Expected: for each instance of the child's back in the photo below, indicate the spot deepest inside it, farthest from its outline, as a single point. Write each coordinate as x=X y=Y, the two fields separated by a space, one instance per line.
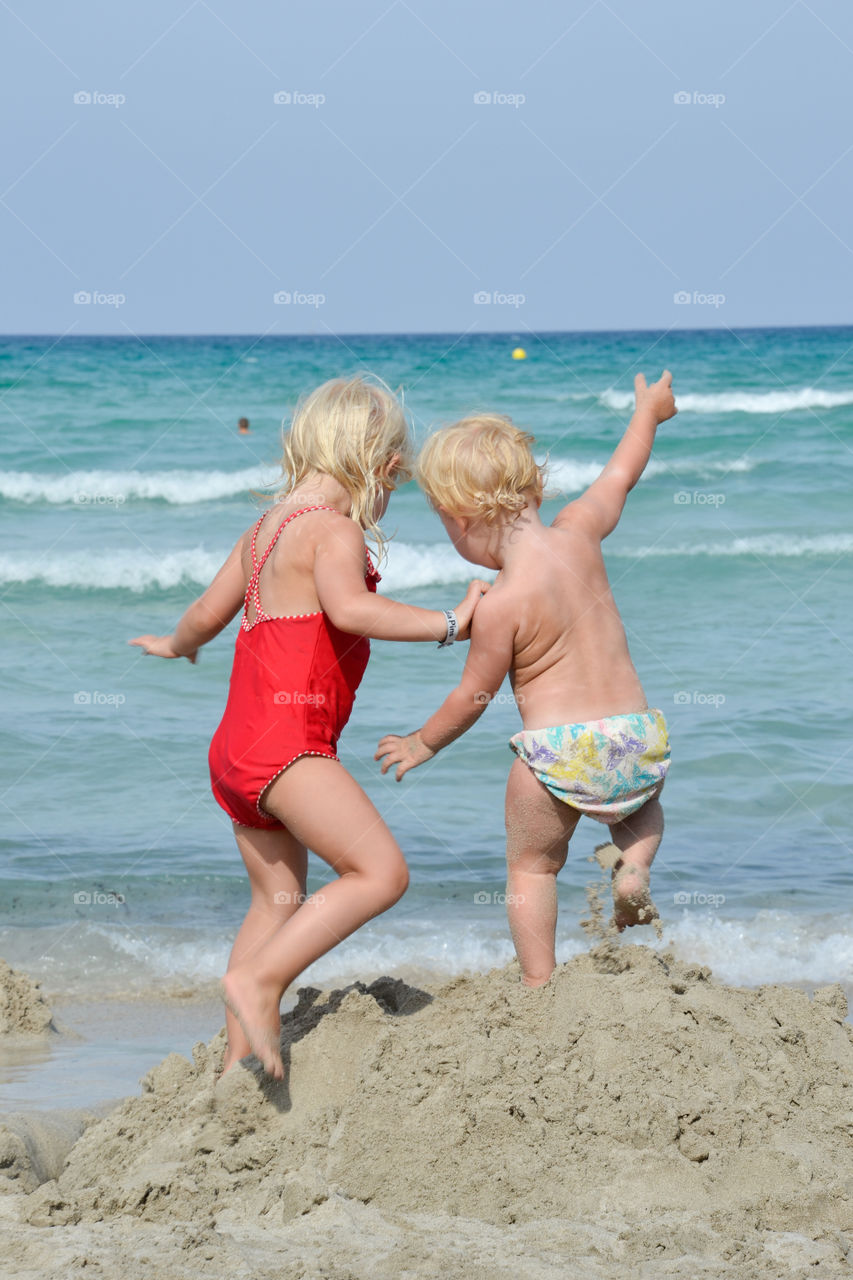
x=570 y=655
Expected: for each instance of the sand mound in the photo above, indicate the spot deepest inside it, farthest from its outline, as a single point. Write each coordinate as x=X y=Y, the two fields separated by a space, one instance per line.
x=677 y=1114
x=34 y=1145
x=23 y=1008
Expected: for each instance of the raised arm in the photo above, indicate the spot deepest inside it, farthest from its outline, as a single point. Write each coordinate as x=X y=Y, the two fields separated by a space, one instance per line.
x=489 y=660
x=601 y=505
x=206 y=616
x=346 y=601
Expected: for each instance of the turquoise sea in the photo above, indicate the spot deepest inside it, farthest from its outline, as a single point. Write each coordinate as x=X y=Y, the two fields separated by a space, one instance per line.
x=123 y=485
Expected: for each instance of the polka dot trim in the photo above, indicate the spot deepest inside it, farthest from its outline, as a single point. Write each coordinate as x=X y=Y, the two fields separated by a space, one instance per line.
x=326 y=755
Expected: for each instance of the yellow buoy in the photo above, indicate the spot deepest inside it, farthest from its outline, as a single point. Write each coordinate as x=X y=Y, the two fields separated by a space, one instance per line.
x=519 y=354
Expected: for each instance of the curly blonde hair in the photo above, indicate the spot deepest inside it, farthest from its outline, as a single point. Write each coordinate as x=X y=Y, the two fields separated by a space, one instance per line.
x=350 y=429
x=481 y=467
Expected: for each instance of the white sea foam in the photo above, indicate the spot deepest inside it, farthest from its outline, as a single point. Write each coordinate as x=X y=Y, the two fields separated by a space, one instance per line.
x=408 y=566
x=138 y=570
x=769 y=545
x=180 y=488
x=184 y=488
x=567 y=476
x=769 y=947
x=424 y=566
x=113 y=570
x=772 y=946
x=740 y=401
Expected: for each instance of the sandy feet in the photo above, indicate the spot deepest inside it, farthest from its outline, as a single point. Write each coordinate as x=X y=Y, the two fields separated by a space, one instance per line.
x=259 y=1016
x=229 y=1062
x=632 y=902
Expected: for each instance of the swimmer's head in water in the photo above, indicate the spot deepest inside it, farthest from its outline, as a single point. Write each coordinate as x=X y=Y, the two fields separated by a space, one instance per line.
x=243 y=425
x=355 y=430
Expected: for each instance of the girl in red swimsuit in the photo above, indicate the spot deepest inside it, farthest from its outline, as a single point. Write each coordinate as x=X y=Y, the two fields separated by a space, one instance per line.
x=306 y=586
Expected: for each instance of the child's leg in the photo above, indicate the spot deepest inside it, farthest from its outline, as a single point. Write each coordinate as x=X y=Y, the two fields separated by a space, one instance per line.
x=538 y=830
x=327 y=811
x=277 y=865
x=638 y=838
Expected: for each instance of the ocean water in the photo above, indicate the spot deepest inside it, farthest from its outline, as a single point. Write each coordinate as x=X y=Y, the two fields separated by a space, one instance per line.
x=123 y=485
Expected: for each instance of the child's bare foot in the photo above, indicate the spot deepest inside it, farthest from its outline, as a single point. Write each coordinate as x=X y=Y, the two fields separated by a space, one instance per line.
x=632 y=902
x=228 y=1062
x=258 y=1013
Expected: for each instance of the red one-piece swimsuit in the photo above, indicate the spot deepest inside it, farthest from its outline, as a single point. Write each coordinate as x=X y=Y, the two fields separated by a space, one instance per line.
x=292 y=689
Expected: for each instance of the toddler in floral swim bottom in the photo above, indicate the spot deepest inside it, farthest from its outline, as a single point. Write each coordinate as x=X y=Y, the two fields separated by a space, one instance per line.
x=590 y=744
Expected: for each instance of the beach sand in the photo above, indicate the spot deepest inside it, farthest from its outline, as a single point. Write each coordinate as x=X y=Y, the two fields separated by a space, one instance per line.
x=632 y=1118
x=23 y=1008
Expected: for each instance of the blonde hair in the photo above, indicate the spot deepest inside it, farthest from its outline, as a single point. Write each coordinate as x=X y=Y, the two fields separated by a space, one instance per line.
x=350 y=429
x=481 y=467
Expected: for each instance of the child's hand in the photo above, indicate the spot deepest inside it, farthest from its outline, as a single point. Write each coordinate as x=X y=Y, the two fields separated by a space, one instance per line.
x=162 y=647
x=657 y=398
x=465 y=611
x=407 y=753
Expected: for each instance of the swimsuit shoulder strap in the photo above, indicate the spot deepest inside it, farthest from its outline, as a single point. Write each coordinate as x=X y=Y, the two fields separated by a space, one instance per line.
x=253 y=588
x=255 y=533
x=372 y=571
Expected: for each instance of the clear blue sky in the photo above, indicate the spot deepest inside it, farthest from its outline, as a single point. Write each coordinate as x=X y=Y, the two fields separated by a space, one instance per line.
x=399 y=197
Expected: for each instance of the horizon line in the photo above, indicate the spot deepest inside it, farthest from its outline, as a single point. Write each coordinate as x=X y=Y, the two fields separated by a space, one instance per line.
x=431 y=333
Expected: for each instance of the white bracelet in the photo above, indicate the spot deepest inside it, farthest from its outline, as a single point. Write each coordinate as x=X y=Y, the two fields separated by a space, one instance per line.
x=452 y=628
